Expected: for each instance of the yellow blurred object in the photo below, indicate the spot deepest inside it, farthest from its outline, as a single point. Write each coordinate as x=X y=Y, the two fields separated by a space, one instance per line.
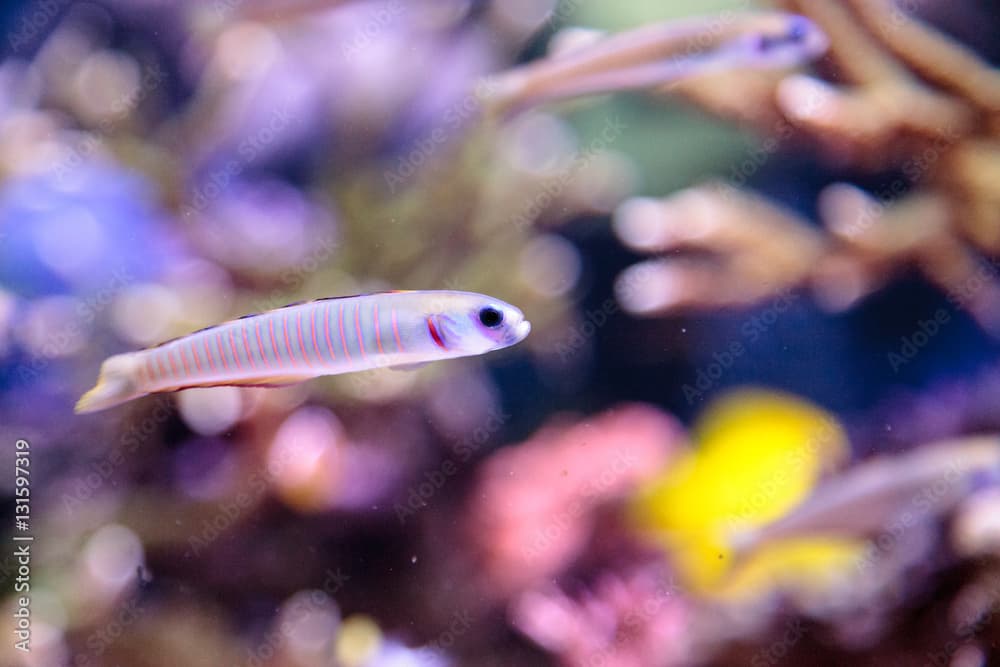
x=758 y=455
x=359 y=640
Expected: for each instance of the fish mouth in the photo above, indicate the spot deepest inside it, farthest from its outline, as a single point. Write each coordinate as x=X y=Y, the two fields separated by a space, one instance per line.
x=521 y=331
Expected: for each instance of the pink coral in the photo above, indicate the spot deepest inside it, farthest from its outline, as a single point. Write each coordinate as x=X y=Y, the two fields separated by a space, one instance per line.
x=532 y=511
x=627 y=620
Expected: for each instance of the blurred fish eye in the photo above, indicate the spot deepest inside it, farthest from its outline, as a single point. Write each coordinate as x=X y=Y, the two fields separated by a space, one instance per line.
x=798 y=31
x=766 y=43
x=491 y=317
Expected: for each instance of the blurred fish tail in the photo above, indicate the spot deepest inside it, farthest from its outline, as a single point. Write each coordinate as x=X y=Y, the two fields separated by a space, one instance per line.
x=115 y=385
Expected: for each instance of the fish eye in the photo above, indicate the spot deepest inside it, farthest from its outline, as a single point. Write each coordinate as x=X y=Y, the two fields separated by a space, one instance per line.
x=490 y=317
x=798 y=30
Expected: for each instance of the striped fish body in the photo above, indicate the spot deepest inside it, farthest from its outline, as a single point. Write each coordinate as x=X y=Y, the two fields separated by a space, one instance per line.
x=323 y=337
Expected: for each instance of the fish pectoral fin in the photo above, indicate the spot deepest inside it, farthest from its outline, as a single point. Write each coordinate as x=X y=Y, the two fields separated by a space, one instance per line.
x=268 y=381
x=271 y=381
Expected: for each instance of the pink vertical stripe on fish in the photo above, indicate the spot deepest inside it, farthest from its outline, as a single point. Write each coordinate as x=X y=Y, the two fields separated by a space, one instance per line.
x=343 y=338
x=327 y=312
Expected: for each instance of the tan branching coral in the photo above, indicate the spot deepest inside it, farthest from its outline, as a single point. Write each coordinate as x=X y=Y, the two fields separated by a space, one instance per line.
x=754 y=247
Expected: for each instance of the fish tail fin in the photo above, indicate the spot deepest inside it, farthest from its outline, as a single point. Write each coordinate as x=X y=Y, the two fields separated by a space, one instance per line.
x=115 y=384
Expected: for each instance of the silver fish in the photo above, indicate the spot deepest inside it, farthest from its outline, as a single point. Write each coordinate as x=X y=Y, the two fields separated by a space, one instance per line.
x=306 y=340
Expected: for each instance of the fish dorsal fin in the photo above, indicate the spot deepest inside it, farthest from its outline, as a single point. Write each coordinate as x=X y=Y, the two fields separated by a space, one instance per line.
x=352 y=296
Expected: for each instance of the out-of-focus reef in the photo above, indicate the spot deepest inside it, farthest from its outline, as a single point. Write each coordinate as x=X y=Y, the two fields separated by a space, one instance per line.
x=167 y=166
